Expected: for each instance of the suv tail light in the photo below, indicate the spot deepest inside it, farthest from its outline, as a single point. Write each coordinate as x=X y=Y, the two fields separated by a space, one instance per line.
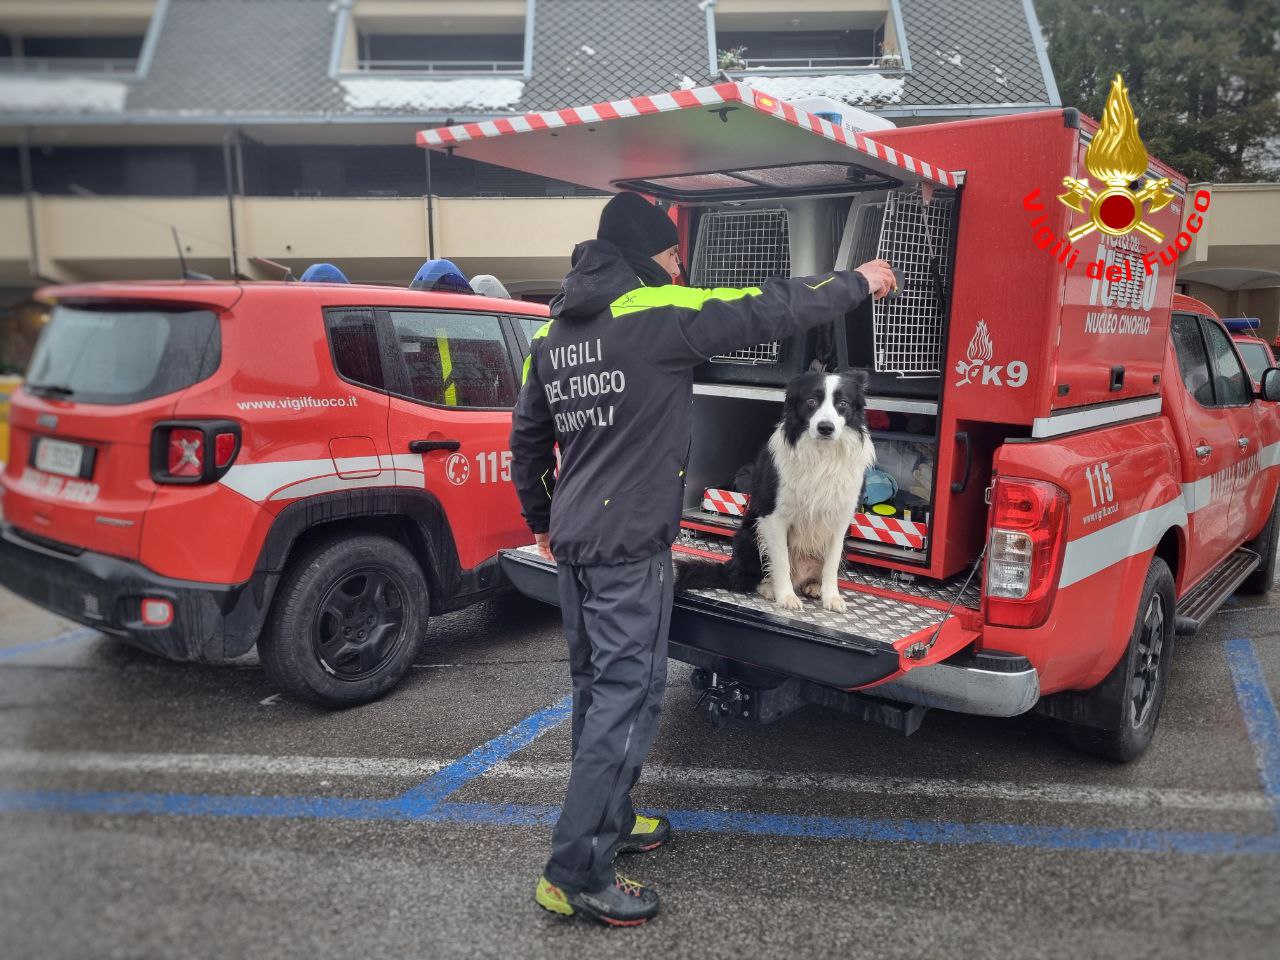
x=193 y=451
x=1024 y=552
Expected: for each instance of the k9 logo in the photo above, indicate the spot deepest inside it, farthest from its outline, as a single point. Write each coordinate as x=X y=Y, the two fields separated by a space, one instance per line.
x=977 y=367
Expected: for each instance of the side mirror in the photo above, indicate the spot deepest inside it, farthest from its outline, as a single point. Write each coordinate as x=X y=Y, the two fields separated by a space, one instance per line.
x=1271 y=385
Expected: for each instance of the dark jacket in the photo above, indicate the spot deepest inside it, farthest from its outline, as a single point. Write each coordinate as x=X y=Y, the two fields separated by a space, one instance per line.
x=610 y=379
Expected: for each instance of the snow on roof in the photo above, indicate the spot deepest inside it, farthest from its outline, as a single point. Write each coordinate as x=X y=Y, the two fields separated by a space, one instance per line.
x=860 y=88
x=477 y=93
x=61 y=95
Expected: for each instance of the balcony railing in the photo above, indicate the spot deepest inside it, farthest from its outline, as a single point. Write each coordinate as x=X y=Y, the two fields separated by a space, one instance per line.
x=452 y=67
x=65 y=65
x=812 y=63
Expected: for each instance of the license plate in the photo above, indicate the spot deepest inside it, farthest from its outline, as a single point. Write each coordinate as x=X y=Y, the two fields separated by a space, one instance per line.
x=58 y=456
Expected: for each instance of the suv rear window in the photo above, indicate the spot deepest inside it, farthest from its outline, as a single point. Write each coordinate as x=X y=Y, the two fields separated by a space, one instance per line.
x=123 y=354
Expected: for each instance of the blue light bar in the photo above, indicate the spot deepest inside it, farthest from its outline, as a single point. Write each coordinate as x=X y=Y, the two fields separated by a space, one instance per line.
x=1240 y=324
x=441 y=276
x=323 y=273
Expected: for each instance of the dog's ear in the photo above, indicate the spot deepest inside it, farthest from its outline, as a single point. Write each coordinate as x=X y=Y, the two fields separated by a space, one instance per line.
x=857 y=379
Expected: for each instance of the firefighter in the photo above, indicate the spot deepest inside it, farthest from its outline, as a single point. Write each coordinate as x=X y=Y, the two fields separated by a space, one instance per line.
x=609 y=379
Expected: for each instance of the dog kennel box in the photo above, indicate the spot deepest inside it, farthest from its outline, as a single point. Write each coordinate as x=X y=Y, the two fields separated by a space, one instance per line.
x=900 y=341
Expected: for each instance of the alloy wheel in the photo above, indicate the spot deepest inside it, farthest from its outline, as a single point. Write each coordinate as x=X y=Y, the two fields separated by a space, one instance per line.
x=1146 y=673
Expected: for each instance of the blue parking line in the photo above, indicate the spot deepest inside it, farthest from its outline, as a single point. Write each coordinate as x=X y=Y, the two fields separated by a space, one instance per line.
x=458 y=774
x=196 y=805
x=427 y=802
x=1097 y=839
x=71 y=636
x=931 y=833
x=1260 y=718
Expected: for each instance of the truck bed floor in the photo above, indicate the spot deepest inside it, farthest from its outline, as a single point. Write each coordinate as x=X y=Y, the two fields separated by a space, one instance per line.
x=865 y=575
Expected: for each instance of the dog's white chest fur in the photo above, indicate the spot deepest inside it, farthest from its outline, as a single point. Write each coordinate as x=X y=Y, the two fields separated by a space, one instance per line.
x=819 y=479
x=819 y=482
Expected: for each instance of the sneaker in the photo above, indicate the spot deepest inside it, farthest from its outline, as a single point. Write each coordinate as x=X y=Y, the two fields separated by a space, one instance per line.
x=649 y=833
x=624 y=903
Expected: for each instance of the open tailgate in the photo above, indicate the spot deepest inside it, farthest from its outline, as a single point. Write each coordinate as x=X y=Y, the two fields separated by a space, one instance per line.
x=714 y=142
x=864 y=645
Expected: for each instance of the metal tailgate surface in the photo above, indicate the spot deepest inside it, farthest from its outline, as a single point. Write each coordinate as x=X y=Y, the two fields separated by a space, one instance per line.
x=872 y=619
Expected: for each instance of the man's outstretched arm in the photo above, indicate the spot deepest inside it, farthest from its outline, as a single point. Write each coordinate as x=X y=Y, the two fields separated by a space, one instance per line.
x=709 y=322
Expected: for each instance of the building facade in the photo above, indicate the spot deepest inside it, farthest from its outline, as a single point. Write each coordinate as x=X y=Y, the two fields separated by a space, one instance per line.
x=258 y=136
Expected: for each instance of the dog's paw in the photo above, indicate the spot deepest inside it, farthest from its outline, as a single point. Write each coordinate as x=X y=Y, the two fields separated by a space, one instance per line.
x=812 y=590
x=835 y=603
x=790 y=601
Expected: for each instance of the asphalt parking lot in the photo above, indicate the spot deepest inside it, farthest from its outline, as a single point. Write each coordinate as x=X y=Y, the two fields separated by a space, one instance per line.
x=153 y=809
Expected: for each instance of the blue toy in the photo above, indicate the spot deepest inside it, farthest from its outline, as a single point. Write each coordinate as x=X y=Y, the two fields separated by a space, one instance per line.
x=878 y=487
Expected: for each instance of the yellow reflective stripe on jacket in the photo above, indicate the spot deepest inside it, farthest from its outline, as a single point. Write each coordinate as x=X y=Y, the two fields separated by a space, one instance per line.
x=673 y=295
x=538 y=334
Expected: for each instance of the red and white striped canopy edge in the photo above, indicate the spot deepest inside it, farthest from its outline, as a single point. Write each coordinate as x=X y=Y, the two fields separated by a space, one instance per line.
x=684 y=100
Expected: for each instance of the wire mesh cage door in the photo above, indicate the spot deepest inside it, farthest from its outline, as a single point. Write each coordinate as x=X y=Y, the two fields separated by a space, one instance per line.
x=742 y=248
x=915 y=238
x=866 y=234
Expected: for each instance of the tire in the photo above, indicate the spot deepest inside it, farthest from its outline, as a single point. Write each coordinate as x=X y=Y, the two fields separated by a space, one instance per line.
x=1140 y=678
x=347 y=621
x=1264 y=545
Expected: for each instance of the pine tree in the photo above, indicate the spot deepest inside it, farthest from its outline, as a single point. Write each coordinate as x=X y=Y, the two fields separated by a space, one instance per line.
x=1203 y=76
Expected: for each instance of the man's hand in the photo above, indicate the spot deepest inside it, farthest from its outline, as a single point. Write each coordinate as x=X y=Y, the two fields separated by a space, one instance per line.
x=879 y=277
x=543 y=542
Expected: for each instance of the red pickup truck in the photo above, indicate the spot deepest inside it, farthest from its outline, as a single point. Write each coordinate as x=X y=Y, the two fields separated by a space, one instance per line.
x=1080 y=467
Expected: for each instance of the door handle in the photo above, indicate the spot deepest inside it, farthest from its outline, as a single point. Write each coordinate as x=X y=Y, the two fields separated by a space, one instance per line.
x=1244 y=443
x=962 y=437
x=429 y=446
x=1203 y=450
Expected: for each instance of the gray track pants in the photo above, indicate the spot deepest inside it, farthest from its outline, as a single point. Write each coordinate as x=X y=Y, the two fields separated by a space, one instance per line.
x=616 y=620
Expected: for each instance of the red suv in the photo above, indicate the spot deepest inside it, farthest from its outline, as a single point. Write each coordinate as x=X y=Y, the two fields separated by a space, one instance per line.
x=311 y=467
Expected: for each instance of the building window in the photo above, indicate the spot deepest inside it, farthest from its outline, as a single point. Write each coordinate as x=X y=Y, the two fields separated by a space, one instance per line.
x=387 y=37
x=453 y=54
x=815 y=36
x=64 y=54
x=61 y=38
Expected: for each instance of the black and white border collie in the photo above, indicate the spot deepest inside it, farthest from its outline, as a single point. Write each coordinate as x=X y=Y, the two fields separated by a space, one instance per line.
x=807 y=482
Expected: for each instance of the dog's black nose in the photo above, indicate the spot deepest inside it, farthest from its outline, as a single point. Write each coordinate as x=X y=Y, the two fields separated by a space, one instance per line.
x=826 y=429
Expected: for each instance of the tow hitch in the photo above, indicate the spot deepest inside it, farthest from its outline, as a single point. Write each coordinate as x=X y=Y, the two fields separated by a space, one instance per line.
x=724 y=699
x=728 y=700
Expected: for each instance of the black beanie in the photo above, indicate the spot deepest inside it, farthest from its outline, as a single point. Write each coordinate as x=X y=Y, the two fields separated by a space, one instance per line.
x=631 y=222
